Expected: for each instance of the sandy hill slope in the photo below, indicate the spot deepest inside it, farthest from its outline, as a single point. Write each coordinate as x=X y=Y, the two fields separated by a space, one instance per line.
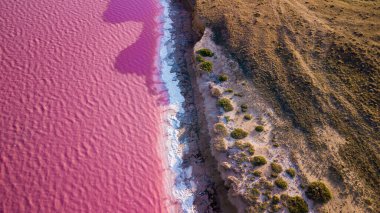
x=317 y=62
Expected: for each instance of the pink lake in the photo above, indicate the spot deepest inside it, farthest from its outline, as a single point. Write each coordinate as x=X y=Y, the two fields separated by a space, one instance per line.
x=80 y=114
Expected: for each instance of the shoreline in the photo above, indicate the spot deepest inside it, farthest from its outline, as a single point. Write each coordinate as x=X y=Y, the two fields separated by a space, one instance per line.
x=197 y=184
x=181 y=192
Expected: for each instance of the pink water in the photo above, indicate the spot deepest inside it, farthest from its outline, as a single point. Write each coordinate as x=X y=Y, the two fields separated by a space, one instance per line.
x=80 y=115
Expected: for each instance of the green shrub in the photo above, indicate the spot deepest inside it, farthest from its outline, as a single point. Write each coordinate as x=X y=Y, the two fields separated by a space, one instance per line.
x=239 y=133
x=318 y=192
x=276 y=168
x=228 y=118
x=257 y=173
x=220 y=145
x=259 y=128
x=276 y=208
x=297 y=205
x=240 y=145
x=252 y=195
x=225 y=104
x=281 y=183
x=244 y=107
x=215 y=92
x=251 y=149
x=291 y=172
x=275 y=199
x=220 y=129
x=255 y=192
x=206 y=66
x=248 y=117
x=199 y=58
x=259 y=161
x=274 y=175
x=229 y=90
x=276 y=145
x=223 y=78
x=245 y=145
x=205 y=52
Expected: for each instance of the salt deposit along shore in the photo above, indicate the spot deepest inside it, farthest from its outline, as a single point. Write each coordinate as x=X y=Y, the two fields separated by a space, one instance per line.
x=195 y=185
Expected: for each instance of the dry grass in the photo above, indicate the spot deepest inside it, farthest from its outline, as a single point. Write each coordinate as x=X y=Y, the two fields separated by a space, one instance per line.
x=318 y=63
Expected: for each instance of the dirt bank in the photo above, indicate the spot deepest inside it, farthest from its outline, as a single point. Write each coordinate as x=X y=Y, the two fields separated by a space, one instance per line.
x=316 y=63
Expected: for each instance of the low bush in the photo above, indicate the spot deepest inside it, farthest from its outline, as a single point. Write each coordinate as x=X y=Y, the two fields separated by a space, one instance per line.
x=248 y=117
x=244 y=107
x=223 y=78
x=229 y=90
x=240 y=145
x=257 y=173
x=281 y=183
x=276 y=168
x=251 y=149
x=206 y=66
x=239 y=133
x=275 y=199
x=205 y=52
x=239 y=94
x=291 y=172
x=259 y=128
x=274 y=175
x=297 y=205
x=259 y=161
x=245 y=145
x=228 y=118
x=199 y=58
x=220 y=145
x=225 y=104
x=252 y=195
x=318 y=192
x=220 y=129
x=215 y=92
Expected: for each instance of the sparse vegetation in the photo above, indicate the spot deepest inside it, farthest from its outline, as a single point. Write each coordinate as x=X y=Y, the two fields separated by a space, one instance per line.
x=259 y=128
x=244 y=107
x=327 y=70
x=229 y=90
x=220 y=145
x=215 y=92
x=259 y=161
x=205 y=52
x=257 y=173
x=276 y=168
x=199 y=58
x=297 y=205
x=227 y=118
x=248 y=117
x=291 y=172
x=206 y=66
x=223 y=78
x=318 y=192
x=220 y=129
x=252 y=195
x=225 y=104
x=281 y=183
x=239 y=133
x=245 y=145
x=275 y=199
